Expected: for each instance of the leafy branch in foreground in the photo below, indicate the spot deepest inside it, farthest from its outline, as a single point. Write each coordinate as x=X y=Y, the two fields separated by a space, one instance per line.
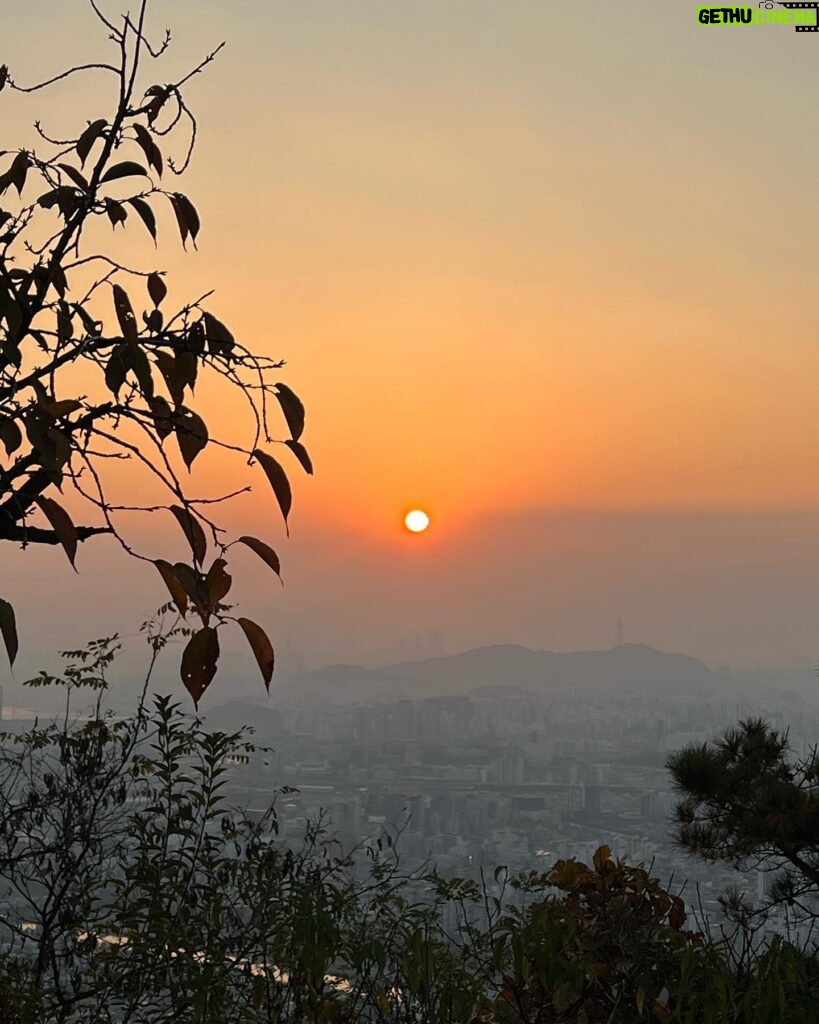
x=96 y=369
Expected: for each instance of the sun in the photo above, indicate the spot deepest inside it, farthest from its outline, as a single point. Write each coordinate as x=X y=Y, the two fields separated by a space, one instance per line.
x=416 y=521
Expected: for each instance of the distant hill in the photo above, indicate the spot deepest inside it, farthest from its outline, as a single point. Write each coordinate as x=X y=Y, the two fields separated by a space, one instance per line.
x=629 y=668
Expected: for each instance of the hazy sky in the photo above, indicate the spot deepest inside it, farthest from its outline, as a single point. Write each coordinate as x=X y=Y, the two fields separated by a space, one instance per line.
x=544 y=269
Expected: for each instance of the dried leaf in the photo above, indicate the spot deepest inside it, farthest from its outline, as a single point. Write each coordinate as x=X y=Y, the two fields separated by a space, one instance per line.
x=292 y=408
x=145 y=213
x=125 y=314
x=217 y=582
x=199 y=662
x=157 y=288
x=8 y=627
x=264 y=551
x=298 y=449
x=278 y=481
x=62 y=525
x=175 y=588
x=193 y=531
x=126 y=169
x=261 y=647
x=89 y=137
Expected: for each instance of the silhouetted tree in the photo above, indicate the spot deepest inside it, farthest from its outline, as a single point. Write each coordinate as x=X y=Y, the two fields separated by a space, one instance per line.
x=747 y=803
x=68 y=302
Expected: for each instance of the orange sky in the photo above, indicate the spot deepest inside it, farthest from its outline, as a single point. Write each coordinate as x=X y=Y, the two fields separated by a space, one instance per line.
x=521 y=257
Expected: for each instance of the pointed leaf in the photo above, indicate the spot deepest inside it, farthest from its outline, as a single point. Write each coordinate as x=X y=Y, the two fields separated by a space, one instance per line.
x=219 y=338
x=89 y=137
x=193 y=531
x=62 y=525
x=125 y=314
x=8 y=627
x=76 y=176
x=186 y=217
x=146 y=142
x=264 y=551
x=261 y=647
x=117 y=213
x=191 y=435
x=146 y=213
x=126 y=169
x=199 y=662
x=298 y=449
x=10 y=435
x=218 y=582
x=163 y=416
x=292 y=408
x=194 y=584
x=175 y=588
x=278 y=481
x=157 y=288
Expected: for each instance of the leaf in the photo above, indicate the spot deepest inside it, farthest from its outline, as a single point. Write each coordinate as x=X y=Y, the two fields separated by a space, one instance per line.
x=117 y=213
x=76 y=176
x=292 y=408
x=194 y=584
x=89 y=137
x=217 y=582
x=4 y=74
x=298 y=449
x=62 y=525
x=175 y=588
x=640 y=999
x=163 y=416
x=157 y=288
x=220 y=340
x=264 y=551
x=10 y=435
x=125 y=314
x=191 y=435
x=193 y=531
x=261 y=647
x=126 y=169
x=160 y=95
x=278 y=481
x=142 y=368
x=601 y=857
x=186 y=217
x=146 y=213
x=149 y=147
x=117 y=368
x=16 y=174
x=199 y=662
x=8 y=627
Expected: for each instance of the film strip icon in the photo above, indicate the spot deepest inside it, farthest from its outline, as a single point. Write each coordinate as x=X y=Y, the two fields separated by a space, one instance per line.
x=801 y=7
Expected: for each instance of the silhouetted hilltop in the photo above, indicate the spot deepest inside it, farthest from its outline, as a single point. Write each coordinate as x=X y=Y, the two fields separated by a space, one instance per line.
x=629 y=668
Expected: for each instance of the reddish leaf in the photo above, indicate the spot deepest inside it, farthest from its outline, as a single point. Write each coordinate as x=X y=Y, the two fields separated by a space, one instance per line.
x=62 y=525
x=193 y=531
x=261 y=647
x=157 y=288
x=145 y=213
x=278 y=481
x=217 y=582
x=8 y=627
x=125 y=314
x=298 y=449
x=292 y=408
x=126 y=169
x=175 y=588
x=264 y=551
x=199 y=662
x=194 y=584
x=89 y=137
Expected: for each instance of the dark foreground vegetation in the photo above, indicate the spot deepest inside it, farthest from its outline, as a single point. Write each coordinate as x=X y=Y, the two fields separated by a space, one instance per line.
x=131 y=891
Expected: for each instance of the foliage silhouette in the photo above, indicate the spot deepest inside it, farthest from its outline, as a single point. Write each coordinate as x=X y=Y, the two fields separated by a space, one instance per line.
x=68 y=302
